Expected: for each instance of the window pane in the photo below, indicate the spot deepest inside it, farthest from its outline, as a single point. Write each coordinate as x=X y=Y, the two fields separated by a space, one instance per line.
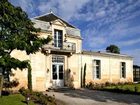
x=58 y=38
x=60 y=75
x=54 y=72
x=60 y=68
x=97 y=76
x=60 y=71
x=97 y=62
x=97 y=69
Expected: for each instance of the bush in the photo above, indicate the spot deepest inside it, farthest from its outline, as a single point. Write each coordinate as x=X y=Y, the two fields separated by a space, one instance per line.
x=92 y=85
x=11 y=84
x=38 y=97
x=5 y=93
x=128 y=88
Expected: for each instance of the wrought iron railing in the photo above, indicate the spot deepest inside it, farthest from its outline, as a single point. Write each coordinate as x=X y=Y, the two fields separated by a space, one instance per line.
x=66 y=46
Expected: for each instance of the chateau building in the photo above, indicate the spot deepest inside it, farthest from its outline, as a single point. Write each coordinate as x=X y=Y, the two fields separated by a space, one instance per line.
x=65 y=61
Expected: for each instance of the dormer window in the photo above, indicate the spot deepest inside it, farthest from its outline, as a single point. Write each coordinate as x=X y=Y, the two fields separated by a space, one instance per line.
x=58 y=38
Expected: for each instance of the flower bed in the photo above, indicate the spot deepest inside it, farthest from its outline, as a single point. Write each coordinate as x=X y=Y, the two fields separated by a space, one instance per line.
x=38 y=97
x=129 y=88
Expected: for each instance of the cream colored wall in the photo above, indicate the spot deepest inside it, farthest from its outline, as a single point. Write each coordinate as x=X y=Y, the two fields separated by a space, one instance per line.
x=110 y=69
x=38 y=64
x=20 y=75
x=74 y=65
x=78 y=43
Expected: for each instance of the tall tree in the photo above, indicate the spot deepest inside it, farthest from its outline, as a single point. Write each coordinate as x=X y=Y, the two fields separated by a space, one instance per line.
x=84 y=76
x=17 y=32
x=113 y=49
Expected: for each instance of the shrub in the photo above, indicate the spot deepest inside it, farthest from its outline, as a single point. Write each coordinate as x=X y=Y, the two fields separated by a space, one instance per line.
x=136 y=89
x=25 y=92
x=11 y=84
x=90 y=85
x=38 y=97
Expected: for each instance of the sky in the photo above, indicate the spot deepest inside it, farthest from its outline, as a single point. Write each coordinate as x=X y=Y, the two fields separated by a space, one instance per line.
x=102 y=22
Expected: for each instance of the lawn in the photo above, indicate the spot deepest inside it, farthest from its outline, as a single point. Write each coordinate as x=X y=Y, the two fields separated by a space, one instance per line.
x=126 y=88
x=15 y=99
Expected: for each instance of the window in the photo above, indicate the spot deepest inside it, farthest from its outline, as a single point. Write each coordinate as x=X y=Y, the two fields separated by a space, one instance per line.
x=97 y=69
x=136 y=73
x=123 y=69
x=58 y=38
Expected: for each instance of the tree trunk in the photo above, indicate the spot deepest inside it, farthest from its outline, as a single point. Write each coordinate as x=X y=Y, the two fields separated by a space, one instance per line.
x=1 y=85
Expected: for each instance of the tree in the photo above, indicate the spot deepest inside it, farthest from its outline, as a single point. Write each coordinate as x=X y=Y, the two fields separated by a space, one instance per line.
x=84 y=76
x=17 y=32
x=113 y=49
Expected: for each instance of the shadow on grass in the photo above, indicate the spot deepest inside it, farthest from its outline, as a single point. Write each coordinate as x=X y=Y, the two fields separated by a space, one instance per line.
x=5 y=93
x=24 y=102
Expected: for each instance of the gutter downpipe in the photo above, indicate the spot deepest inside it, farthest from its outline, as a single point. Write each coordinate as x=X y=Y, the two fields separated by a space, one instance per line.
x=81 y=72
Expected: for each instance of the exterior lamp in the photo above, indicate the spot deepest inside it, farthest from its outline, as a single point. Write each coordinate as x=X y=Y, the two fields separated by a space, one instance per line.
x=65 y=40
x=47 y=70
x=27 y=99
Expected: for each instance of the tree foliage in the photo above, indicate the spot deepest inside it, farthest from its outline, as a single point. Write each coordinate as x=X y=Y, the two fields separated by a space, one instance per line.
x=17 y=32
x=113 y=49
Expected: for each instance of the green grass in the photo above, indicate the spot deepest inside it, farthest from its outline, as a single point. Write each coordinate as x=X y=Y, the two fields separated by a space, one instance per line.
x=127 y=88
x=15 y=99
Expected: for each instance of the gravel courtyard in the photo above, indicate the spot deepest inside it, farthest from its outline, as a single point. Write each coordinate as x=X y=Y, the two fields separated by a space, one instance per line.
x=92 y=97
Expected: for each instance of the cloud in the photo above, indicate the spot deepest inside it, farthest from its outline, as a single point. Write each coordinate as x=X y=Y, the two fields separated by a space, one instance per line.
x=92 y=40
x=134 y=53
x=102 y=22
x=66 y=9
x=123 y=30
x=100 y=13
x=128 y=42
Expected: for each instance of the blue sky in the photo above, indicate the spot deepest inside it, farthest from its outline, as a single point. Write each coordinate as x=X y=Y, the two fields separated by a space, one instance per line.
x=102 y=22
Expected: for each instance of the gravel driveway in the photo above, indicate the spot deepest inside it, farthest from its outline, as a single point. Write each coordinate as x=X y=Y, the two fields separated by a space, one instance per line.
x=92 y=97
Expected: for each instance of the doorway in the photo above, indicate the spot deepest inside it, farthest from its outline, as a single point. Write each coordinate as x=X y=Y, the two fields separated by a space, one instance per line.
x=58 y=71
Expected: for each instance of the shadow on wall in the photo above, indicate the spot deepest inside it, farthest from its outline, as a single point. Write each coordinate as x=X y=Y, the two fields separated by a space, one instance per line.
x=70 y=79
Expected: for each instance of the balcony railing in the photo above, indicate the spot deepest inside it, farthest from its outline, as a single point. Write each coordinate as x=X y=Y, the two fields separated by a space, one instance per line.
x=66 y=47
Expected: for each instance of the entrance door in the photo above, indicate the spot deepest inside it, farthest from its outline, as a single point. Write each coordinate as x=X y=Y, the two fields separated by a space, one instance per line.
x=58 y=75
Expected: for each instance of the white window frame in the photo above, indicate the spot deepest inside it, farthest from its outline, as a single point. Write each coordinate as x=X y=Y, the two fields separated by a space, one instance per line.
x=121 y=70
x=56 y=32
x=95 y=70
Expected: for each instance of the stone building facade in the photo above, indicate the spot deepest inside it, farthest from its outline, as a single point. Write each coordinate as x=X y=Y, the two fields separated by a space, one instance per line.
x=65 y=60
